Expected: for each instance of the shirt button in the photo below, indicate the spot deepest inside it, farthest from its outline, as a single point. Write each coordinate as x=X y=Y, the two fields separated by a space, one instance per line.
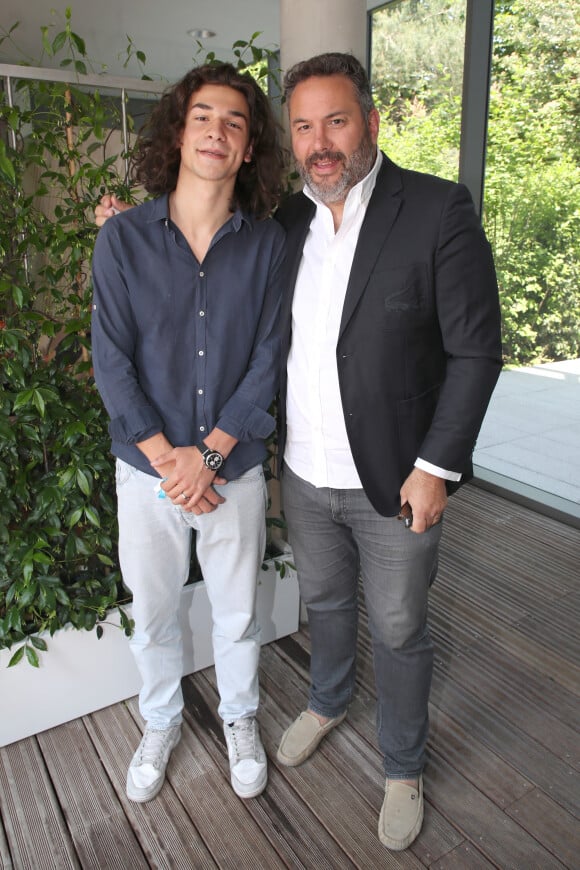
x=202 y=274
x=202 y=428
x=202 y=313
x=200 y=392
x=200 y=352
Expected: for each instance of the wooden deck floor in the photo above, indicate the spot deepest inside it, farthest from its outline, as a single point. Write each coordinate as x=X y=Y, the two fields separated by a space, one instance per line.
x=502 y=785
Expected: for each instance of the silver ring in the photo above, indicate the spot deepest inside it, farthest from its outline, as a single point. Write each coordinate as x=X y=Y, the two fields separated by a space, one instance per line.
x=184 y=497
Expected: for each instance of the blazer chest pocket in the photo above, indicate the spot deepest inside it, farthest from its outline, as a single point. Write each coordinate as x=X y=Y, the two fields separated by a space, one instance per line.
x=404 y=290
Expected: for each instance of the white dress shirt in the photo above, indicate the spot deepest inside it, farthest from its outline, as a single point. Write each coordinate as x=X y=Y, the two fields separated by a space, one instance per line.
x=317 y=446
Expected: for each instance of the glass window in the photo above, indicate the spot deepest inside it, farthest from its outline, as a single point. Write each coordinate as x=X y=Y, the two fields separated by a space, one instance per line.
x=416 y=69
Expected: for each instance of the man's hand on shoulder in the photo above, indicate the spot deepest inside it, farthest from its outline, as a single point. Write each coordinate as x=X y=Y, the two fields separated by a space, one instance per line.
x=427 y=496
x=108 y=206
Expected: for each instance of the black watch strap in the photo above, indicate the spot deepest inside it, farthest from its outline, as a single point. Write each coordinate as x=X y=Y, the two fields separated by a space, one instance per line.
x=212 y=459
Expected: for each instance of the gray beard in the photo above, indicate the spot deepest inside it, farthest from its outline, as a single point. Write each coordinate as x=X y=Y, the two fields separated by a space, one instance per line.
x=356 y=167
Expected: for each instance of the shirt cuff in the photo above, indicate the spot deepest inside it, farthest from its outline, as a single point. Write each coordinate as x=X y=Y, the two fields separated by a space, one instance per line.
x=435 y=470
x=136 y=425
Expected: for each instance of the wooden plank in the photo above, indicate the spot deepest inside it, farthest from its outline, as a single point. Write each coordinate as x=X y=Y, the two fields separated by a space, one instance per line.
x=560 y=626
x=499 y=838
x=164 y=828
x=533 y=761
x=469 y=594
x=557 y=830
x=5 y=857
x=537 y=654
x=492 y=531
x=500 y=694
x=463 y=857
x=497 y=780
x=100 y=831
x=36 y=831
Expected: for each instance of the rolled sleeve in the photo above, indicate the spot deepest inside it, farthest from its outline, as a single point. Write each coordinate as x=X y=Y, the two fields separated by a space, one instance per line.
x=137 y=425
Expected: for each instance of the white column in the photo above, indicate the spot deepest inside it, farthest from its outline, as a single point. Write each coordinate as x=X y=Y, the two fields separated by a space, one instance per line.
x=309 y=27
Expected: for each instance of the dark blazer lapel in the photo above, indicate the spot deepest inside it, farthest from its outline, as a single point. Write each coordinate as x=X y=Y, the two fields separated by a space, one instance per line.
x=380 y=216
x=295 y=238
x=295 y=216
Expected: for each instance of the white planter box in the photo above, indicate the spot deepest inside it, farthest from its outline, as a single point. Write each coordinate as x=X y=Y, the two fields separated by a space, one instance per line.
x=80 y=674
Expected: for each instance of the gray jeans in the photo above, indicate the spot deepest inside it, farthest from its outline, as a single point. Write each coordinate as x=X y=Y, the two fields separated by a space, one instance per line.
x=336 y=537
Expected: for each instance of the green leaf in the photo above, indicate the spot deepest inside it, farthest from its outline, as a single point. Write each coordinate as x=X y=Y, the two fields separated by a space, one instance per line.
x=39 y=402
x=45 y=40
x=62 y=596
x=6 y=165
x=79 y=43
x=75 y=517
x=38 y=642
x=92 y=516
x=66 y=476
x=23 y=399
x=31 y=656
x=17 y=657
x=18 y=296
x=83 y=482
x=99 y=632
x=58 y=41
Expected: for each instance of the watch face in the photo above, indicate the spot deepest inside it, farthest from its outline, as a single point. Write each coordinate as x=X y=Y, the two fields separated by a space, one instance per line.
x=214 y=460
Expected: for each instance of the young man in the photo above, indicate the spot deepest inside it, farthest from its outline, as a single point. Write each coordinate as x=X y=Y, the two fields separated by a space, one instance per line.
x=185 y=348
x=391 y=334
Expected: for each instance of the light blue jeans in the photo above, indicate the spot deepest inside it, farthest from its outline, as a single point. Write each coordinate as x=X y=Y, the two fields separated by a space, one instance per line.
x=154 y=553
x=336 y=537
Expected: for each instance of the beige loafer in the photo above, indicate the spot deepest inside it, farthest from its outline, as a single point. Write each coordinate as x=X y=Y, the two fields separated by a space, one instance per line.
x=401 y=815
x=302 y=737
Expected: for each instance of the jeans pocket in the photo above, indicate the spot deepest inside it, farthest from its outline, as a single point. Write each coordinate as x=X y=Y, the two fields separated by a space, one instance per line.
x=250 y=479
x=123 y=472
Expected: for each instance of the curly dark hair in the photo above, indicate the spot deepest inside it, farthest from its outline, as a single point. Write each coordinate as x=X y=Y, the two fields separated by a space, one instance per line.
x=332 y=63
x=157 y=156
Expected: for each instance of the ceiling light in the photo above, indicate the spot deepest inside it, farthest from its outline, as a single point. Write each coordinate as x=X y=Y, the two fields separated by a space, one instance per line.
x=201 y=33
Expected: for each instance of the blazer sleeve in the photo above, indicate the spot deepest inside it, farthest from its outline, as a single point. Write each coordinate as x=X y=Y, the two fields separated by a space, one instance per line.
x=468 y=311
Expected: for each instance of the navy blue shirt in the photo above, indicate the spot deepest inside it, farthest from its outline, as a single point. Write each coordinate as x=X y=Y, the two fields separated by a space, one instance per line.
x=181 y=347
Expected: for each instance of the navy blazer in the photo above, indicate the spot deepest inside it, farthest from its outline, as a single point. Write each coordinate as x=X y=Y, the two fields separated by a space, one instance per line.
x=419 y=346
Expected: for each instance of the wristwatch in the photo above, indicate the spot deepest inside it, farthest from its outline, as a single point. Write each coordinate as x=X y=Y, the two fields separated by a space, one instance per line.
x=212 y=459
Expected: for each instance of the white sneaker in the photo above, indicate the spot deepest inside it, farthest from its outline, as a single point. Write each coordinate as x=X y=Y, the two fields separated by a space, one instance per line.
x=146 y=772
x=248 y=765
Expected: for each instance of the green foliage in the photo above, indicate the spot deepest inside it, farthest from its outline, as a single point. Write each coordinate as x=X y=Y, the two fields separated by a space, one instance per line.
x=532 y=186
x=532 y=204
x=57 y=513
x=417 y=72
x=417 y=55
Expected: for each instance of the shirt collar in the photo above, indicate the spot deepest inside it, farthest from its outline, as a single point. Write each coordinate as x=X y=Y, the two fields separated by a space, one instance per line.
x=361 y=192
x=160 y=212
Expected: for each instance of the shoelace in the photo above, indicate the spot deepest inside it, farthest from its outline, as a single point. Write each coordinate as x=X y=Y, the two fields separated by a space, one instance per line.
x=153 y=746
x=244 y=738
